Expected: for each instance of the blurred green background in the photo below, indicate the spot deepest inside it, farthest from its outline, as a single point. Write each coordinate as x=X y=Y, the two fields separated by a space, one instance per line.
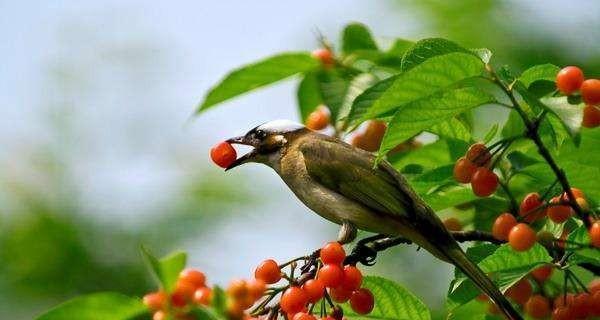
x=99 y=152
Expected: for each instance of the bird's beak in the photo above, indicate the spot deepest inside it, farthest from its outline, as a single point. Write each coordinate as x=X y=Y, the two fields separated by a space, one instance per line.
x=248 y=156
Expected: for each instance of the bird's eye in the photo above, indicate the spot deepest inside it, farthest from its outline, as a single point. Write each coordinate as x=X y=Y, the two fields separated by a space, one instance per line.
x=260 y=134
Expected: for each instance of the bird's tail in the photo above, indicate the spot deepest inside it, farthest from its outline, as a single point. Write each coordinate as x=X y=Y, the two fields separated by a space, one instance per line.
x=458 y=257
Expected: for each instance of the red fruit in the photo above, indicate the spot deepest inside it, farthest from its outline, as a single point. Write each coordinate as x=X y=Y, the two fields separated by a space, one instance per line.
x=202 y=296
x=256 y=288
x=314 y=290
x=352 y=278
x=591 y=116
x=331 y=275
x=582 y=305
x=340 y=294
x=223 y=154
x=325 y=56
x=569 y=80
x=537 y=307
x=502 y=226
x=590 y=91
x=293 y=300
x=362 y=301
x=595 y=234
x=304 y=316
x=185 y=288
x=577 y=193
x=528 y=207
x=559 y=213
x=195 y=277
x=561 y=301
x=484 y=182
x=479 y=154
x=268 y=271
x=521 y=237
x=594 y=285
x=542 y=273
x=370 y=139
x=453 y=224
x=328 y=318
x=155 y=300
x=464 y=170
x=332 y=253
x=562 y=313
x=238 y=289
x=318 y=119
x=159 y=315
x=520 y=292
x=595 y=303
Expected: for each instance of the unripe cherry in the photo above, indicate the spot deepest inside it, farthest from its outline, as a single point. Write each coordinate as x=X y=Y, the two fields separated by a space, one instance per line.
x=452 y=224
x=484 y=182
x=223 y=154
x=569 y=80
x=502 y=226
x=521 y=237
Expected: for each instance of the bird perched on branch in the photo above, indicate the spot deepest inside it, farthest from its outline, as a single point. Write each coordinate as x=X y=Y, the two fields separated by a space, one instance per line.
x=343 y=184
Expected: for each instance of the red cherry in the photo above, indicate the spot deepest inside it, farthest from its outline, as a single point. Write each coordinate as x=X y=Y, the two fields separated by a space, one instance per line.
x=331 y=275
x=479 y=154
x=332 y=253
x=202 y=296
x=325 y=56
x=594 y=285
x=362 y=301
x=558 y=213
x=542 y=273
x=452 y=224
x=502 y=226
x=520 y=291
x=484 y=182
x=304 y=316
x=591 y=117
x=195 y=277
x=318 y=119
x=268 y=271
x=155 y=300
x=256 y=288
x=293 y=300
x=569 y=79
x=521 y=237
x=352 y=278
x=527 y=209
x=581 y=305
x=538 y=306
x=590 y=91
x=223 y=154
x=562 y=313
x=159 y=315
x=464 y=170
x=314 y=290
x=340 y=294
x=595 y=234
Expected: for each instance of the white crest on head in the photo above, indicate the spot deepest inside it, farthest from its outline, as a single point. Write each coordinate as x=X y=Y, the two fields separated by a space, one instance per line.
x=280 y=126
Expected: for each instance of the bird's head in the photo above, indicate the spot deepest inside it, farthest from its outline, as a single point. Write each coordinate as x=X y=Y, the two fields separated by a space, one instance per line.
x=269 y=140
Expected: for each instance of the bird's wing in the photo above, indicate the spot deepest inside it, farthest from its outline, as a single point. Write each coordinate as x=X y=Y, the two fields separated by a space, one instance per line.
x=349 y=171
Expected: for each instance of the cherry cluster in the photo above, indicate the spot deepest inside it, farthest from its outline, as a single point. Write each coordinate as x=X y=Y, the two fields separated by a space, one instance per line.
x=539 y=305
x=570 y=80
x=190 y=290
x=517 y=231
x=475 y=168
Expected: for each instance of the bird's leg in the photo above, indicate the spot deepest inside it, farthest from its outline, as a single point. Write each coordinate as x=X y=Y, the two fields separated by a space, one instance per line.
x=363 y=252
x=347 y=233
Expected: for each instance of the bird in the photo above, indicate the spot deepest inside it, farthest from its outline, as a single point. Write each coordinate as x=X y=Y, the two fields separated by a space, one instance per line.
x=347 y=186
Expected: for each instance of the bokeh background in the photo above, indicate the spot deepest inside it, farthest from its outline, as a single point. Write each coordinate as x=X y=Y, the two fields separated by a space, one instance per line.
x=100 y=151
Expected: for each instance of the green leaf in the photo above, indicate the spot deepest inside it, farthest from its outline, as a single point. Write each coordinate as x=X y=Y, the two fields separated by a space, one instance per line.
x=429 y=156
x=587 y=254
x=357 y=86
x=484 y=54
x=424 y=113
x=219 y=300
x=569 y=115
x=258 y=74
x=542 y=72
x=519 y=160
x=97 y=306
x=508 y=267
x=452 y=129
x=309 y=94
x=513 y=126
x=392 y=302
x=428 y=48
x=356 y=36
x=333 y=85
x=167 y=269
x=426 y=79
